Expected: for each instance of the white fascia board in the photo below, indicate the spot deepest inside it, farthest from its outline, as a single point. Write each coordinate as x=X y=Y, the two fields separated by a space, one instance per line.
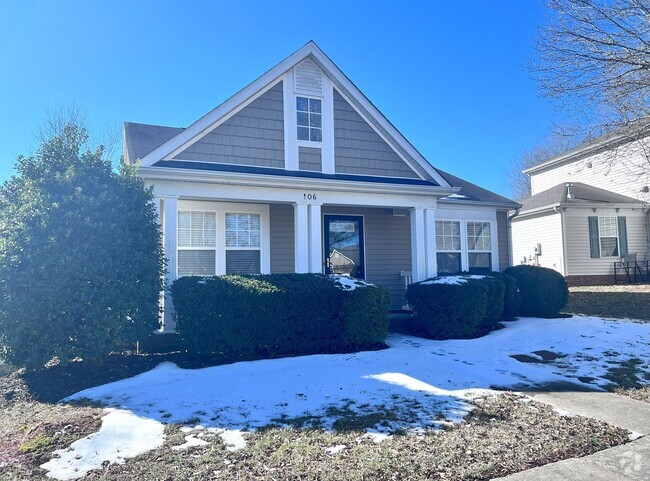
x=565 y=205
x=286 y=182
x=478 y=203
x=586 y=151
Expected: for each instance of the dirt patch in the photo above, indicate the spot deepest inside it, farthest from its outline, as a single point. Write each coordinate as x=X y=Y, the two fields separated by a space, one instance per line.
x=31 y=431
x=617 y=302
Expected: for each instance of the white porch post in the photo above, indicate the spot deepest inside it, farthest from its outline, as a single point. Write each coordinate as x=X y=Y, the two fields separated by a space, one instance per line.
x=301 y=233
x=315 y=239
x=170 y=214
x=430 y=242
x=418 y=247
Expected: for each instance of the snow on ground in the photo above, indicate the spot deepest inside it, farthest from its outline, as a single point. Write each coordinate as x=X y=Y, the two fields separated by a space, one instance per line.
x=426 y=383
x=122 y=435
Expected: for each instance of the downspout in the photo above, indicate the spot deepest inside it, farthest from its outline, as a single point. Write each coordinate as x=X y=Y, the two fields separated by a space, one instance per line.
x=509 y=224
x=561 y=211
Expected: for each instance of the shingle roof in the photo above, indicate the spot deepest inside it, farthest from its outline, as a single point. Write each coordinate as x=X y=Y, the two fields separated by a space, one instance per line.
x=472 y=193
x=140 y=139
x=574 y=194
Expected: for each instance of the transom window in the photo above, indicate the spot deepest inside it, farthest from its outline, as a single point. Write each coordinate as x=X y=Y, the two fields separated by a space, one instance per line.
x=448 y=246
x=243 y=246
x=197 y=241
x=479 y=246
x=309 y=119
x=608 y=233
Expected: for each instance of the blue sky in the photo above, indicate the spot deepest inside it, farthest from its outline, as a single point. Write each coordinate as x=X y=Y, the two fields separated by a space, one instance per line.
x=448 y=75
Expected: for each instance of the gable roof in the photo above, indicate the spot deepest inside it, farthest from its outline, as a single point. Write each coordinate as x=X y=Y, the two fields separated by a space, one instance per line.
x=473 y=193
x=574 y=194
x=209 y=121
x=631 y=132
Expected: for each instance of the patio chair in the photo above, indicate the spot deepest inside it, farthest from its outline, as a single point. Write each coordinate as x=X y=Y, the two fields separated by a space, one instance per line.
x=632 y=268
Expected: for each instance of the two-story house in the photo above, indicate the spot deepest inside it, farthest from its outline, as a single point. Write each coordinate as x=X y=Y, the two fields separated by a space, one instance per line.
x=588 y=209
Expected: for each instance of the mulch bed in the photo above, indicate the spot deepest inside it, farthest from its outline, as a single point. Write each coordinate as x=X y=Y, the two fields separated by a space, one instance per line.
x=618 y=302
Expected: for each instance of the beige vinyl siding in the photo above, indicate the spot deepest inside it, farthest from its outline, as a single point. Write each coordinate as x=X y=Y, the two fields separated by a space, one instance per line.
x=254 y=136
x=387 y=247
x=282 y=238
x=605 y=172
x=358 y=149
x=503 y=241
x=579 y=261
x=545 y=230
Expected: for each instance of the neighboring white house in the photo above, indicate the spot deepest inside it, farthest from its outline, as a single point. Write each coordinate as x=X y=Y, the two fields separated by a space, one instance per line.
x=587 y=209
x=300 y=166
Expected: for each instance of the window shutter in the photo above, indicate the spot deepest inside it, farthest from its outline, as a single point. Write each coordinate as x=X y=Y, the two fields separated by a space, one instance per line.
x=622 y=236
x=594 y=244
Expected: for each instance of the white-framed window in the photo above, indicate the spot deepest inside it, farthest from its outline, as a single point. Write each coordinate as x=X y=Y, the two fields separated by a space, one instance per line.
x=479 y=246
x=608 y=235
x=197 y=243
x=309 y=119
x=448 y=246
x=243 y=243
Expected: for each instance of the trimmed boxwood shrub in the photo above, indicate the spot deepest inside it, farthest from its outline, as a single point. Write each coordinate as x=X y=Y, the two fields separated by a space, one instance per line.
x=278 y=315
x=542 y=292
x=448 y=310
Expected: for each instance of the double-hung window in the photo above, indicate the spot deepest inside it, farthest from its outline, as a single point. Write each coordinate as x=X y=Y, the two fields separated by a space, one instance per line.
x=608 y=233
x=197 y=243
x=309 y=119
x=479 y=246
x=243 y=243
x=448 y=246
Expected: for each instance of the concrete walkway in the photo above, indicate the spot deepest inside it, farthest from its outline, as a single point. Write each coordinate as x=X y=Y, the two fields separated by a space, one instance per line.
x=630 y=461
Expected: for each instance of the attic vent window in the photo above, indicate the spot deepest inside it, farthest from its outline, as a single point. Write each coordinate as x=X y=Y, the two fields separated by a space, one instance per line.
x=309 y=119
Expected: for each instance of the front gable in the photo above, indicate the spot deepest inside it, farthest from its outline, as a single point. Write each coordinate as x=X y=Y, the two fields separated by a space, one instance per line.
x=263 y=126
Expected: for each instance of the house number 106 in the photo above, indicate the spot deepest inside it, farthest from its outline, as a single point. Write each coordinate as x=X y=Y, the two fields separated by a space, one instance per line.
x=309 y=196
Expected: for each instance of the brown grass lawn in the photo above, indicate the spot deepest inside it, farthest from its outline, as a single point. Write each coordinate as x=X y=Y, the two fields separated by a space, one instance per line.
x=621 y=301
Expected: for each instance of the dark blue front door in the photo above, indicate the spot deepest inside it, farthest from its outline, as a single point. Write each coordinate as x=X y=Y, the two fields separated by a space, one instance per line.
x=344 y=245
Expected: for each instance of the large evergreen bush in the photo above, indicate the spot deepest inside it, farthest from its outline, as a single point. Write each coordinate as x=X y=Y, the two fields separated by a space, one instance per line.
x=80 y=256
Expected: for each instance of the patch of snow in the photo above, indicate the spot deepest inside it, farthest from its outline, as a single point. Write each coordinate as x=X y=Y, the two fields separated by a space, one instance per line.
x=122 y=435
x=335 y=449
x=424 y=383
x=348 y=283
x=453 y=280
x=455 y=196
x=232 y=438
x=191 y=441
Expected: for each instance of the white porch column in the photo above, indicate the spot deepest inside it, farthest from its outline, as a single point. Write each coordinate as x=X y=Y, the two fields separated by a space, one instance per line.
x=418 y=247
x=315 y=239
x=301 y=236
x=170 y=216
x=430 y=242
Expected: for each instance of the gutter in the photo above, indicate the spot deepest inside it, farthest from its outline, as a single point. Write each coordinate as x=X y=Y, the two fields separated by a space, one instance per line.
x=509 y=225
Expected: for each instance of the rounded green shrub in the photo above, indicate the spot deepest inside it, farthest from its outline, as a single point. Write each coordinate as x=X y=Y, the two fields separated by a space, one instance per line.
x=542 y=292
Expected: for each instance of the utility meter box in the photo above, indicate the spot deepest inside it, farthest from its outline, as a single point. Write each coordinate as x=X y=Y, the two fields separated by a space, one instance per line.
x=537 y=249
